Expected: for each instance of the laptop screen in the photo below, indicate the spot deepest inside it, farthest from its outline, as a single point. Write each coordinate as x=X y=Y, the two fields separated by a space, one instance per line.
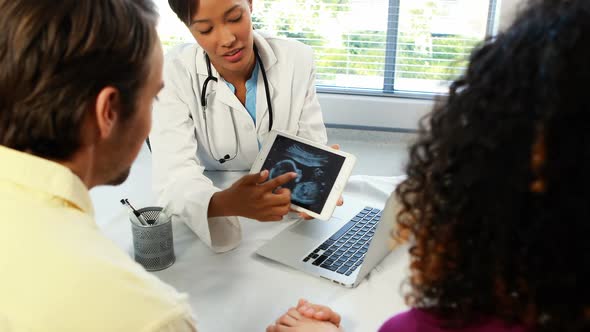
x=317 y=171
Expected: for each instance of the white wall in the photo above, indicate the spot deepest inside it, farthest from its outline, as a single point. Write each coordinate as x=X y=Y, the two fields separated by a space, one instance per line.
x=390 y=113
x=383 y=113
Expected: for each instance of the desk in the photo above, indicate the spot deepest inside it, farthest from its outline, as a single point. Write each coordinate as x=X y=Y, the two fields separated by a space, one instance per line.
x=240 y=291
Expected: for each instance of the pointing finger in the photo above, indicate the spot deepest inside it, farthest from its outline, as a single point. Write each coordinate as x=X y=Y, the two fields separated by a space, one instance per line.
x=279 y=181
x=255 y=178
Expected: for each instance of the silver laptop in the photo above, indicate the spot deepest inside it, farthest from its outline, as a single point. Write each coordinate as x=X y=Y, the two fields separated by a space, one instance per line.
x=343 y=249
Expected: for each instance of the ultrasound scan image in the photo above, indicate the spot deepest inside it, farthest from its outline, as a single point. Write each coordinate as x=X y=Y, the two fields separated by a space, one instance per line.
x=316 y=170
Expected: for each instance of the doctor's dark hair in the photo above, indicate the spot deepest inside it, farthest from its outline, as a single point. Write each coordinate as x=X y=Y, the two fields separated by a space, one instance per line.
x=184 y=9
x=56 y=56
x=497 y=195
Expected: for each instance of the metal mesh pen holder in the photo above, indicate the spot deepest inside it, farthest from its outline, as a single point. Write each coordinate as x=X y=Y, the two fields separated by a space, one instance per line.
x=153 y=246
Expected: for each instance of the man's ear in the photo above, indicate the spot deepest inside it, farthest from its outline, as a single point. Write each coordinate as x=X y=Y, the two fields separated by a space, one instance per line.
x=108 y=106
x=250 y=5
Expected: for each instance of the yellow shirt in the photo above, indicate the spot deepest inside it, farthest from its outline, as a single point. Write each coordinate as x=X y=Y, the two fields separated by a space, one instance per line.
x=58 y=272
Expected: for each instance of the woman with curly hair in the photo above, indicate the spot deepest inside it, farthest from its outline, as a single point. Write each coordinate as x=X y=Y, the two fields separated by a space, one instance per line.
x=497 y=198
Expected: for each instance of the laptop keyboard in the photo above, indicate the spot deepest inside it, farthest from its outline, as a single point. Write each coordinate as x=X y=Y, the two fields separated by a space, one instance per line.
x=345 y=251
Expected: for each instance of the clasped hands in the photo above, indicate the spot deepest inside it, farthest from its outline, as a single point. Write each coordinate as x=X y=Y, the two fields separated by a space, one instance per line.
x=307 y=317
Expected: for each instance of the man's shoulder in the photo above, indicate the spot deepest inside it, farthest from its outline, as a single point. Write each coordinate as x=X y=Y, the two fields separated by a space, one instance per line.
x=92 y=280
x=108 y=275
x=109 y=269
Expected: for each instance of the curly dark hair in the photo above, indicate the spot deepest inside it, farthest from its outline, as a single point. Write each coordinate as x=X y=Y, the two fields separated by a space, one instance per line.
x=497 y=197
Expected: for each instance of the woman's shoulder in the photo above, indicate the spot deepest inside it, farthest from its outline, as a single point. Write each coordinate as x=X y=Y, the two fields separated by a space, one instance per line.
x=403 y=322
x=286 y=46
x=182 y=53
x=415 y=320
x=179 y=62
x=181 y=49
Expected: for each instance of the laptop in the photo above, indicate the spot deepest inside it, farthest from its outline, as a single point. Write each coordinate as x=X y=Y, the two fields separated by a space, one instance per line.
x=343 y=249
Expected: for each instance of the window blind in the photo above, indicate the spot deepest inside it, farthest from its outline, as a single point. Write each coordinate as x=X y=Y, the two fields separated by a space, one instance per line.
x=372 y=46
x=367 y=46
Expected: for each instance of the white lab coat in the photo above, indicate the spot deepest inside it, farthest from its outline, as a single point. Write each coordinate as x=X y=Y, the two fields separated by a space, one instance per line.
x=180 y=150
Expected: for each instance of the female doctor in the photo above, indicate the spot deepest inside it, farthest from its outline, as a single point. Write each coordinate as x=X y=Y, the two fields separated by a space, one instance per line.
x=221 y=98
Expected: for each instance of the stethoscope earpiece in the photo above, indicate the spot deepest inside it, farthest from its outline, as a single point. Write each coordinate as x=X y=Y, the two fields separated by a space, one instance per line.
x=209 y=78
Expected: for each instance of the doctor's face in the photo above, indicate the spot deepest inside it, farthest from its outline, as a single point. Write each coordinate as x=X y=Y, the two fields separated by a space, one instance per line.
x=224 y=29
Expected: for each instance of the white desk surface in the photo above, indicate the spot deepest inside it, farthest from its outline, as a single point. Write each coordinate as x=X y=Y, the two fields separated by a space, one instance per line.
x=240 y=291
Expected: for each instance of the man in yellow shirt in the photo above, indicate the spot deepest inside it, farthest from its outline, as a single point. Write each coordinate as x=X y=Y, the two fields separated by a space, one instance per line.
x=77 y=81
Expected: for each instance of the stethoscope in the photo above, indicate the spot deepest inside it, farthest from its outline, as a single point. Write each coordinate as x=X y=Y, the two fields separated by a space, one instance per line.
x=209 y=78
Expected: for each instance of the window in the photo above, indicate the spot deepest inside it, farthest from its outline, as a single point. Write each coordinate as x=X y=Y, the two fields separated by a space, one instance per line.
x=171 y=30
x=371 y=46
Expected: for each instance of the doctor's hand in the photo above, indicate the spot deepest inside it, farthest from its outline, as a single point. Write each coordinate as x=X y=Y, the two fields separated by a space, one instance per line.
x=340 y=201
x=253 y=198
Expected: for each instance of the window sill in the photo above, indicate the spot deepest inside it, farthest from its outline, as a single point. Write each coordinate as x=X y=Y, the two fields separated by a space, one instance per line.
x=373 y=113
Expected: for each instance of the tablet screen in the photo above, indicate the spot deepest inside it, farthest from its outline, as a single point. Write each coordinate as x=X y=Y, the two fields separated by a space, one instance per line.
x=317 y=171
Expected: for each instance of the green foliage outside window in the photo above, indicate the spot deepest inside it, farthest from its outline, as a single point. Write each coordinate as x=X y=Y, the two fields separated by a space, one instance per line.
x=419 y=55
x=445 y=60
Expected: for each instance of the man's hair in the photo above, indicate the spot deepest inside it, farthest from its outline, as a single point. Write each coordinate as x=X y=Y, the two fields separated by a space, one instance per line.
x=498 y=189
x=184 y=9
x=56 y=56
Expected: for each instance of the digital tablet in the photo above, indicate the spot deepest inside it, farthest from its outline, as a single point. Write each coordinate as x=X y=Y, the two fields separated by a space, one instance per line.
x=322 y=172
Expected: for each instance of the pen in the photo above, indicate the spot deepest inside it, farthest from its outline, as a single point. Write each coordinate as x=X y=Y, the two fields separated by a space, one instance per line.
x=140 y=218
